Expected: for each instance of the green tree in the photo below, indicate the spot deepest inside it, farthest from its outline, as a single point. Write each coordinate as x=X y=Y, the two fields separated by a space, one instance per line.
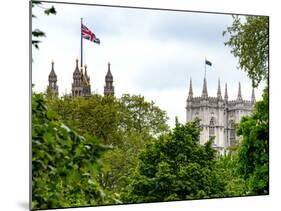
x=253 y=154
x=64 y=164
x=175 y=167
x=120 y=162
x=139 y=115
x=127 y=123
x=226 y=166
x=249 y=41
x=96 y=116
x=109 y=118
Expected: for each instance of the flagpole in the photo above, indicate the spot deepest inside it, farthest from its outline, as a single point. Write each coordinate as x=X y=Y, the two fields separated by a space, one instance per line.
x=205 y=68
x=81 y=44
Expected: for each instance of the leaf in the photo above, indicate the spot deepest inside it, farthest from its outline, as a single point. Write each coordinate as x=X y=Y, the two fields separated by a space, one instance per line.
x=51 y=10
x=38 y=33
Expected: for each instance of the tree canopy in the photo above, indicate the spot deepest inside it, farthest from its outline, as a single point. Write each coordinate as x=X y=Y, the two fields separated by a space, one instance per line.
x=253 y=163
x=175 y=167
x=249 y=42
x=64 y=163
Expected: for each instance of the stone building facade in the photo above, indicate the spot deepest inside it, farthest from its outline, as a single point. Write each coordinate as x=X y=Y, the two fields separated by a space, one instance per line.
x=81 y=85
x=218 y=115
x=81 y=82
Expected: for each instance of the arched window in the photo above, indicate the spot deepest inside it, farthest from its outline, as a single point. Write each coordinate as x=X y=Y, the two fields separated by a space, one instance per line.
x=212 y=128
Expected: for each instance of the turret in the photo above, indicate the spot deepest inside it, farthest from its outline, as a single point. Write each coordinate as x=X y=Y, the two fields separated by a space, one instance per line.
x=108 y=88
x=77 y=86
x=53 y=81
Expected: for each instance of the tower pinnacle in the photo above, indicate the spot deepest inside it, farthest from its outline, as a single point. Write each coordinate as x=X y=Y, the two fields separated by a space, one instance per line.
x=53 y=81
x=219 y=90
x=190 y=93
x=239 y=96
x=108 y=88
x=225 y=93
x=205 y=91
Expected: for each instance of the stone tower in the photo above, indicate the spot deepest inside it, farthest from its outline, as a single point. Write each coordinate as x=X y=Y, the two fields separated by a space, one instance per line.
x=81 y=82
x=218 y=115
x=108 y=88
x=53 y=81
x=77 y=88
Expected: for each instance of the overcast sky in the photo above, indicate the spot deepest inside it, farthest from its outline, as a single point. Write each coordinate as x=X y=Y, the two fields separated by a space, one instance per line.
x=152 y=53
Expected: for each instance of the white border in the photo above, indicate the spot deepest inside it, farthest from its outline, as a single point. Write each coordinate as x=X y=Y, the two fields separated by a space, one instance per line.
x=14 y=153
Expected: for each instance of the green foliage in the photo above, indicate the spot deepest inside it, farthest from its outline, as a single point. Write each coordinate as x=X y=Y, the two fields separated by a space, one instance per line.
x=147 y=163
x=254 y=151
x=136 y=114
x=235 y=185
x=121 y=162
x=249 y=41
x=109 y=118
x=127 y=123
x=64 y=164
x=175 y=167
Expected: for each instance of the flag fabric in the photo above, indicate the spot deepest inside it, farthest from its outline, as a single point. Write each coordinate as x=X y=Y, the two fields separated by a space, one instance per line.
x=89 y=35
x=208 y=62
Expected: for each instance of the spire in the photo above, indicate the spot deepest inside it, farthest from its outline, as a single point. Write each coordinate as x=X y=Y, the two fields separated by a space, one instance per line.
x=108 y=76
x=108 y=88
x=52 y=65
x=190 y=93
x=253 y=98
x=204 y=91
x=77 y=81
x=76 y=68
x=52 y=75
x=225 y=93
x=239 y=96
x=219 y=90
x=53 y=80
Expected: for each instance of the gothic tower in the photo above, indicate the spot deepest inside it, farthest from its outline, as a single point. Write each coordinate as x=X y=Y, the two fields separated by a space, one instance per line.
x=218 y=115
x=108 y=88
x=53 y=81
x=77 y=88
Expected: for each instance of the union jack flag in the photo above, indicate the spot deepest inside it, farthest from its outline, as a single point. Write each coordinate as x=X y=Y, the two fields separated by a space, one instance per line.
x=87 y=34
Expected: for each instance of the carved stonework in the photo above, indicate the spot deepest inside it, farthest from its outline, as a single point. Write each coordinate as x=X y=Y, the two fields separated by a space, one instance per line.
x=215 y=114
